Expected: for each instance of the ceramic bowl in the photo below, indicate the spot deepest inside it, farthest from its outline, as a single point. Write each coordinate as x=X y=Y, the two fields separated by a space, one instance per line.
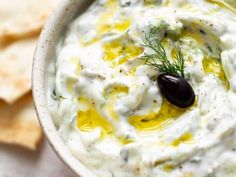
x=66 y=11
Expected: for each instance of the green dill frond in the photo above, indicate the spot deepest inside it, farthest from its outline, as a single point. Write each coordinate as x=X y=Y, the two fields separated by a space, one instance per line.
x=179 y=61
x=159 y=58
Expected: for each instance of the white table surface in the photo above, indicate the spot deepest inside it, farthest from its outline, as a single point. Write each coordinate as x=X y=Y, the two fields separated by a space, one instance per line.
x=19 y=162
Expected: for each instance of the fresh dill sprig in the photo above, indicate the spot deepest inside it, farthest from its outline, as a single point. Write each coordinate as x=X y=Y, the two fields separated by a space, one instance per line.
x=159 y=58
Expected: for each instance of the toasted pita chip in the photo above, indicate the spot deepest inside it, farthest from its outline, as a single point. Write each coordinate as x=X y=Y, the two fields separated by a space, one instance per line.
x=15 y=69
x=23 y=18
x=19 y=124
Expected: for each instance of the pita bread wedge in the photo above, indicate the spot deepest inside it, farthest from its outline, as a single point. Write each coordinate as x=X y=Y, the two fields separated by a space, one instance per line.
x=23 y=18
x=19 y=124
x=15 y=69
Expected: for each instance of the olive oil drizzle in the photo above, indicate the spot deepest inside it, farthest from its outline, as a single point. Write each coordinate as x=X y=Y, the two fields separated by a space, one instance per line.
x=185 y=138
x=90 y=118
x=156 y=121
x=120 y=51
x=214 y=66
x=104 y=25
x=222 y=3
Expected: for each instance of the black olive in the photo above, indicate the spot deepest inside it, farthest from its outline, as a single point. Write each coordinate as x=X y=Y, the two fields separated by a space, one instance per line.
x=176 y=90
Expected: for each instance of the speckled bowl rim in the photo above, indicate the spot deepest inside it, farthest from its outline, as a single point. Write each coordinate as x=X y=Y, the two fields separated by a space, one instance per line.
x=65 y=12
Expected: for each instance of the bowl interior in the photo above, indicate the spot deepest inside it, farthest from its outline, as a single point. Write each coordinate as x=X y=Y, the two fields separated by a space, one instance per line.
x=66 y=11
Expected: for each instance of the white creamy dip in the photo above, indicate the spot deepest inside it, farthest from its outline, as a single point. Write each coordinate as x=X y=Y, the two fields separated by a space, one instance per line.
x=108 y=108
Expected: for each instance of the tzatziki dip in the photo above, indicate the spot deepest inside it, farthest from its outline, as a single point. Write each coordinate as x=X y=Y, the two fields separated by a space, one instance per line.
x=147 y=88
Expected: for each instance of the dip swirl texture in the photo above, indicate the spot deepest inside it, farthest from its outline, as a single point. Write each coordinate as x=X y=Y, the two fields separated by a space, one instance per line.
x=106 y=104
